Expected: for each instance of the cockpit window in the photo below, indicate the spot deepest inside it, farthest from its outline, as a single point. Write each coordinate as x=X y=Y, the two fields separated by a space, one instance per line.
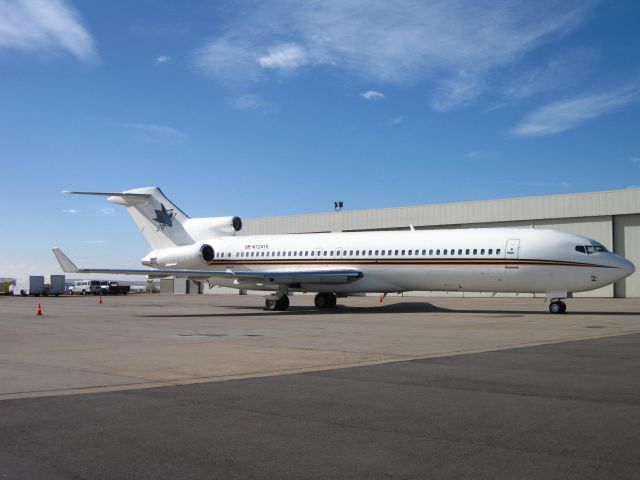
x=591 y=249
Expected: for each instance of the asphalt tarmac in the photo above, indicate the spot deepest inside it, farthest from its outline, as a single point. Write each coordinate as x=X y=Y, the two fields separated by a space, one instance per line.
x=567 y=410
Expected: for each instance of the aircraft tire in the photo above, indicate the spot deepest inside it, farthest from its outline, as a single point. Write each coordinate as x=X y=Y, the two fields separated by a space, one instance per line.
x=557 y=306
x=270 y=304
x=282 y=303
x=325 y=300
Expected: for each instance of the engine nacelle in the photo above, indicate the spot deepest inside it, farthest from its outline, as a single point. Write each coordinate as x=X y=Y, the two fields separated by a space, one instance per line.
x=190 y=256
x=203 y=228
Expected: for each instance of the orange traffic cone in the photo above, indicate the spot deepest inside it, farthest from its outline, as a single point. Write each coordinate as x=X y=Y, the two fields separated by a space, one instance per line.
x=39 y=312
x=381 y=298
x=100 y=302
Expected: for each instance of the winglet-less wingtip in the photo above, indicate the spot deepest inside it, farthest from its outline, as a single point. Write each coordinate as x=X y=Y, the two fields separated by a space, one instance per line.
x=65 y=263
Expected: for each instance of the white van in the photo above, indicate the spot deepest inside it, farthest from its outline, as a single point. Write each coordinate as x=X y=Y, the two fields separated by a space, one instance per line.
x=85 y=287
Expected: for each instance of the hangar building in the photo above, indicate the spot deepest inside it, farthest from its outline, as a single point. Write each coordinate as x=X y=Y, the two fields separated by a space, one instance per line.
x=611 y=217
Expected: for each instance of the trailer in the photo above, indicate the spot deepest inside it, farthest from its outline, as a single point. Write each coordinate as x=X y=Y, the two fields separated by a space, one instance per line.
x=31 y=285
x=56 y=285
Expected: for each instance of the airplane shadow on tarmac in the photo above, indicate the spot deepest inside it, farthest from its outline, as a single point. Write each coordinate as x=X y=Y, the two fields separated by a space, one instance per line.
x=399 y=308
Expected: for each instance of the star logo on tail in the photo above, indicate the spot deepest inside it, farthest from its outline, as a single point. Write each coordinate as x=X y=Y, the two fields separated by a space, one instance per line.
x=164 y=217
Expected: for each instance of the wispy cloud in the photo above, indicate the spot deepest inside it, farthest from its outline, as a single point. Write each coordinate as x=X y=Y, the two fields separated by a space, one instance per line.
x=481 y=155
x=40 y=26
x=372 y=95
x=155 y=132
x=397 y=120
x=569 y=113
x=455 y=45
x=285 y=57
x=161 y=59
x=635 y=159
x=72 y=211
x=108 y=211
x=538 y=184
x=94 y=241
x=250 y=102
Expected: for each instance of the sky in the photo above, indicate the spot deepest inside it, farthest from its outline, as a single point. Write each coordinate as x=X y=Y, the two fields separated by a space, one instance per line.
x=272 y=108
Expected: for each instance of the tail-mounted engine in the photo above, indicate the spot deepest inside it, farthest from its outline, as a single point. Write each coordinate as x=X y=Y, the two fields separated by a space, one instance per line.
x=190 y=256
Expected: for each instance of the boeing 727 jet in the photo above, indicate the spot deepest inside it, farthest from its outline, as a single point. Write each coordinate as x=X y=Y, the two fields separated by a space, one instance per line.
x=342 y=264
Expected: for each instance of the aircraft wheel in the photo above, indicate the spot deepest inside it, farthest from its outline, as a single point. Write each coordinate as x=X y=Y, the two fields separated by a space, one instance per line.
x=325 y=300
x=282 y=303
x=270 y=304
x=557 y=306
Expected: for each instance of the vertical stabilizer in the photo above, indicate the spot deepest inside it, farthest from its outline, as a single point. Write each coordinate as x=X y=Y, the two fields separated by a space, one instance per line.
x=160 y=221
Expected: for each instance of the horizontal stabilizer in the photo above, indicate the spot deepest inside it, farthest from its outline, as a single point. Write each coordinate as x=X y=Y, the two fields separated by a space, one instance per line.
x=110 y=194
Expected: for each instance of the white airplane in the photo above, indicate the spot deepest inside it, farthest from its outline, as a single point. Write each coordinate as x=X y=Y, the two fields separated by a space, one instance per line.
x=343 y=264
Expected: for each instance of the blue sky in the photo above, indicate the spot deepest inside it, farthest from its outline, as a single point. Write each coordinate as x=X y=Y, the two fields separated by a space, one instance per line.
x=281 y=107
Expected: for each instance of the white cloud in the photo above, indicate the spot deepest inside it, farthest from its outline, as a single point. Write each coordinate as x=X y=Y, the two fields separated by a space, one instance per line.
x=397 y=120
x=108 y=211
x=635 y=159
x=152 y=131
x=481 y=155
x=43 y=25
x=70 y=210
x=569 y=113
x=538 y=183
x=372 y=95
x=286 y=56
x=162 y=59
x=250 y=102
x=457 y=45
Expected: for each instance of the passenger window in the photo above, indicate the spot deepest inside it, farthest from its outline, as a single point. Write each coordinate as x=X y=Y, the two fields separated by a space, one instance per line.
x=389 y=252
x=409 y=252
x=295 y=253
x=482 y=252
x=475 y=251
x=370 y=252
x=396 y=252
x=312 y=254
x=381 y=252
x=445 y=252
x=351 y=253
x=459 y=251
x=376 y=252
x=357 y=252
x=498 y=251
x=490 y=252
x=431 y=251
x=438 y=252
x=424 y=252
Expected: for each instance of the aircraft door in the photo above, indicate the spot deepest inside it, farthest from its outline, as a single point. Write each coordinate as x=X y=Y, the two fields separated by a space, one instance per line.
x=512 y=248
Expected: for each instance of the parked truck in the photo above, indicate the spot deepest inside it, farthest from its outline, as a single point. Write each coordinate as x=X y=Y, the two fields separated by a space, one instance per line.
x=31 y=285
x=114 y=288
x=56 y=285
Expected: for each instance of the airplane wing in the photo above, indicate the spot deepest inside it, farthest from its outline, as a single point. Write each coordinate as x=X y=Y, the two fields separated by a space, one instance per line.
x=275 y=277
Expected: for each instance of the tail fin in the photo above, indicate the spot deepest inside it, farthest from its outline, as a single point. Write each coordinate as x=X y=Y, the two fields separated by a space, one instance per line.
x=160 y=221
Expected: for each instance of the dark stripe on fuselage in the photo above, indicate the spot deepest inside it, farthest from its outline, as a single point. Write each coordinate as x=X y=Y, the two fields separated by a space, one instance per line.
x=403 y=262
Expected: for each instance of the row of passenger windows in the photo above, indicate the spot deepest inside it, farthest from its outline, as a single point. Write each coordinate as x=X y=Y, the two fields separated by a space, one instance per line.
x=363 y=253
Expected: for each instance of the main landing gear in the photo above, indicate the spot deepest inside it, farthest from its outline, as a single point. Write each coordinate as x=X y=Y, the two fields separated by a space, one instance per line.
x=325 y=300
x=274 y=303
x=557 y=306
